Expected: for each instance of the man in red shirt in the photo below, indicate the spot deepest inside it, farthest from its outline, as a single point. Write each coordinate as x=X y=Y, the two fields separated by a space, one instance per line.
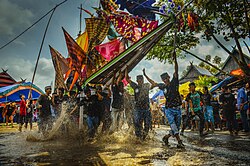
x=22 y=112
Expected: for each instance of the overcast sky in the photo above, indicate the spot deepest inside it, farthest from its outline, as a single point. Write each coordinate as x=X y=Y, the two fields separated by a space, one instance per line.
x=20 y=56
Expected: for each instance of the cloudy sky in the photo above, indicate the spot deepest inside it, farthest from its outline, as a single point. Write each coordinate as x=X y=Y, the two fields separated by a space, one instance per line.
x=20 y=56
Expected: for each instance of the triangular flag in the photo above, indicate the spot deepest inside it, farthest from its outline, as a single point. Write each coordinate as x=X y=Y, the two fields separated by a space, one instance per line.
x=77 y=56
x=56 y=58
x=83 y=41
x=97 y=29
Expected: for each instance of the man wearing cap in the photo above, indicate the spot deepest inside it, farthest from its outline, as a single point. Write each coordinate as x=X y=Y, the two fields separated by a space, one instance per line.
x=173 y=102
x=142 y=112
x=44 y=104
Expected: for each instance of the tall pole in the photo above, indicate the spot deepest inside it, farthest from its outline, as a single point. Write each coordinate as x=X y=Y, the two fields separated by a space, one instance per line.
x=41 y=47
x=80 y=31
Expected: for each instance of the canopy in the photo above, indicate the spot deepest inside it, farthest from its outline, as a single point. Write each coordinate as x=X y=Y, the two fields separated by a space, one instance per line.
x=12 y=92
x=223 y=82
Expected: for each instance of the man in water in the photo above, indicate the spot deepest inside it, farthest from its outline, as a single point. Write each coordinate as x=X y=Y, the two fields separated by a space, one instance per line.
x=173 y=102
x=142 y=112
x=45 y=117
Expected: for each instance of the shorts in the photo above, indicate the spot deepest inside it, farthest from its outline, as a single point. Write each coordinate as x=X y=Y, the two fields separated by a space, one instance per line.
x=208 y=114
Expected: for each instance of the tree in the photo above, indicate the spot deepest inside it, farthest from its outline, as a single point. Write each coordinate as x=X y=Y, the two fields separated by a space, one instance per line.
x=205 y=81
x=216 y=61
x=225 y=18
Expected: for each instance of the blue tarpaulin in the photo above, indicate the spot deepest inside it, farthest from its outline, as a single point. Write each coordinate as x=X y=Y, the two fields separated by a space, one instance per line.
x=12 y=92
x=222 y=83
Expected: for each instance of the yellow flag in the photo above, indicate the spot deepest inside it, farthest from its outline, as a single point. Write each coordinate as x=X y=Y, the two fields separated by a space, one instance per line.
x=83 y=41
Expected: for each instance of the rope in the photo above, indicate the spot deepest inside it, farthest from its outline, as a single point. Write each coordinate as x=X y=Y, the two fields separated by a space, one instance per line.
x=31 y=26
x=40 y=50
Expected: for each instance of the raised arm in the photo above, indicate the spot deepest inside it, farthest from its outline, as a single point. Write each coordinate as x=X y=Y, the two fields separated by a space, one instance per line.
x=119 y=79
x=153 y=84
x=127 y=76
x=113 y=79
x=175 y=65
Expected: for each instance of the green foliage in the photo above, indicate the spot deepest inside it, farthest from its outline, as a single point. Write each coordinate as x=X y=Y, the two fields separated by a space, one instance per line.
x=205 y=81
x=163 y=50
x=216 y=60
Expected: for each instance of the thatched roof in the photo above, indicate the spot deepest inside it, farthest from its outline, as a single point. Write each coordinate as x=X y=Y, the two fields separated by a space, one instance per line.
x=6 y=79
x=193 y=74
x=230 y=64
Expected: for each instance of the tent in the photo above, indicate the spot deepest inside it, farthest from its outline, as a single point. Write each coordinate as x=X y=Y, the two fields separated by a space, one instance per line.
x=12 y=92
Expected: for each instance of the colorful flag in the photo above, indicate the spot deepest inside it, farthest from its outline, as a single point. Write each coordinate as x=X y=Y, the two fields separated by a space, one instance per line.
x=77 y=57
x=126 y=26
x=97 y=29
x=109 y=6
x=56 y=58
x=83 y=41
x=76 y=54
x=111 y=49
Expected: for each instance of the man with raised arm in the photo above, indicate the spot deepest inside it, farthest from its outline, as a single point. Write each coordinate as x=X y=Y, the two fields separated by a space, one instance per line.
x=142 y=112
x=173 y=102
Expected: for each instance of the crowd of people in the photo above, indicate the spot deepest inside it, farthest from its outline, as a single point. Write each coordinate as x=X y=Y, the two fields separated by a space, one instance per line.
x=112 y=106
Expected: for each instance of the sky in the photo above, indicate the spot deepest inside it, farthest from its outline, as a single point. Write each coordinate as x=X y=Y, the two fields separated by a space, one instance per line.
x=20 y=56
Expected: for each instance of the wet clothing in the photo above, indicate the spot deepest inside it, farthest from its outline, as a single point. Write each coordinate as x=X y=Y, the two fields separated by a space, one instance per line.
x=141 y=95
x=92 y=106
x=196 y=99
x=174 y=120
x=58 y=104
x=45 y=102
x=173 y=102
x=142 y=112
x=45 y=116
x=139 y=117
x=118 y=97
x=171 y=93
x=29 y=116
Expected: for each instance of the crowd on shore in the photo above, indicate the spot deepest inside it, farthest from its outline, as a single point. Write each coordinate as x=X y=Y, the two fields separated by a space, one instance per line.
x=110 y=107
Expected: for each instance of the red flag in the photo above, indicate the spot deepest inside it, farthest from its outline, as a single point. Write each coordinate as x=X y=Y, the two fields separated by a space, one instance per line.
x=76 y=54
x=111 y=49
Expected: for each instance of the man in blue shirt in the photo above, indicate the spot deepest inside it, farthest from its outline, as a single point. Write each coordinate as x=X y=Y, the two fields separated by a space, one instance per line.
x=242 y=107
